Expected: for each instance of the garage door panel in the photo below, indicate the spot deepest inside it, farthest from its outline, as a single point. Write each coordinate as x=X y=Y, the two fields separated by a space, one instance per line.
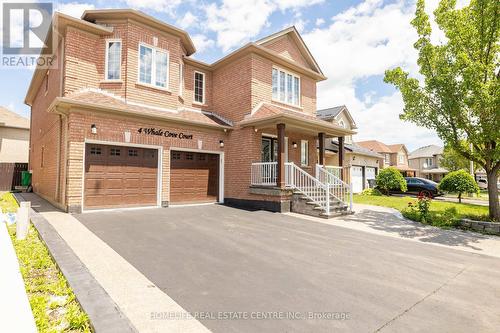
x=357 y=179
x=194 y=177
x=127 y=179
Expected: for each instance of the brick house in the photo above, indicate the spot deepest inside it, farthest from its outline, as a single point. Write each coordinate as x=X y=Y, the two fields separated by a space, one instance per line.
x=395 y=155
x=427 y=161
x=127 y=118
x=359 y=165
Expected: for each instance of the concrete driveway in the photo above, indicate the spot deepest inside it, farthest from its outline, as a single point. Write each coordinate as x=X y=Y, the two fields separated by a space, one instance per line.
x=212 y=259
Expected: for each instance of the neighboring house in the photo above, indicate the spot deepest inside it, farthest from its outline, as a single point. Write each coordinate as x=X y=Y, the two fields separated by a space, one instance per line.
x=426 y=160
x=128 y=118
x=395 y=155
x=362 y=164
x=14 y=137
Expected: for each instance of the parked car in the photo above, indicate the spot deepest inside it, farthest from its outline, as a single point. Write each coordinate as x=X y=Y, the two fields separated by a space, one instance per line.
x=421 y=186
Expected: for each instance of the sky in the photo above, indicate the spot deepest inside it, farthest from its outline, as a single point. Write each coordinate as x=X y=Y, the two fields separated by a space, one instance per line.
x=353 y=41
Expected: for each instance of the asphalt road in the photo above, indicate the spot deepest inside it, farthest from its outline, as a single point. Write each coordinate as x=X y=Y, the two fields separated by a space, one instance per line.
x=310 y=277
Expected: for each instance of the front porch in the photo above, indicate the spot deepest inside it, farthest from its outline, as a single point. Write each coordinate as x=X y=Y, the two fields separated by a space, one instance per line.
x=292 y=166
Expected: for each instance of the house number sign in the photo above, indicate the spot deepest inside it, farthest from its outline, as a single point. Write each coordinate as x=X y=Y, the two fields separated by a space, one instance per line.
x=165 y=133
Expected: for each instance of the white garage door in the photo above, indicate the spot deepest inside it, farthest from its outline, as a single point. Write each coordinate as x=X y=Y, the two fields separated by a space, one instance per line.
x=369 y=173
x=357 y=179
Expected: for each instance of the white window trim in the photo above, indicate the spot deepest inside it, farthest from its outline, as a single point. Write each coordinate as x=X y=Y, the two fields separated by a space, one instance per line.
x=153 y=67
x=194 y=88
x=307 y=153
x=299 y=105
x=107 y=42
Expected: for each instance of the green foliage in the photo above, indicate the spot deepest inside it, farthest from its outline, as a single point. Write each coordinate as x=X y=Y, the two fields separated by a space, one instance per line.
x=8 y=203
x=43 y=280
x=453 y=161
x=459 y=96
x=474 y=212
x=443 y=219
x=370 y=191
x=390 y=179
x=459 y=182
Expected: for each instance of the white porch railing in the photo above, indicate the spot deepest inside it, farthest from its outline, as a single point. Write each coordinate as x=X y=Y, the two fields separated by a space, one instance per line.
x=339 y=189
x=264 y=173
x=307 y=185
x=334 y=170
x=324 y=189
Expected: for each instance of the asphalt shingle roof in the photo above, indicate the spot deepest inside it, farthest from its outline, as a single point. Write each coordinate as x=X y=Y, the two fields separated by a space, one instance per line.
x=426 y=151
x=330 y=112
x=12 y=119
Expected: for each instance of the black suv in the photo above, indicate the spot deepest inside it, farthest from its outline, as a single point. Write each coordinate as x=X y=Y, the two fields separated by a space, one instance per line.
x=423 y=187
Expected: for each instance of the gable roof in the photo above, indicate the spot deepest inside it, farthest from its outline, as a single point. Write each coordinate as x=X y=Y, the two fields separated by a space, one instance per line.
x=375 y=145
x=114 y=14
x=426 y=151
x=397 y=147
x=295 y=36
x=334 y=112
x=11 y=119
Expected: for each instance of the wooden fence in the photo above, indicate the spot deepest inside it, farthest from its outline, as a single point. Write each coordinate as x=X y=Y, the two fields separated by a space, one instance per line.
x=10 y=175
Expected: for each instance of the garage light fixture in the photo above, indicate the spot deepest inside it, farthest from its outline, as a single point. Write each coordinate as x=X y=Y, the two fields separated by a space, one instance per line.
x=294 y=144
x=93 y=129
x=221 y=143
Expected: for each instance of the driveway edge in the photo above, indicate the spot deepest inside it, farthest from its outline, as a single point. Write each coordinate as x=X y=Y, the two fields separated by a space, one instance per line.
x=104 y=314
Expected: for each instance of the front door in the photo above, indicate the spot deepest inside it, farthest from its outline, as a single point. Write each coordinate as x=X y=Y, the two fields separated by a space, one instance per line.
x=269 y=149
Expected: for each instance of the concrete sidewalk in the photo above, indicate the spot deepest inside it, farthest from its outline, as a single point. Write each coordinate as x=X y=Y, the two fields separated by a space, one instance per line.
x=15 y=310
x=389 y=222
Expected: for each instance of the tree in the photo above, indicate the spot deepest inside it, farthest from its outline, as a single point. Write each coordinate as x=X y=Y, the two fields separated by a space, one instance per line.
x=453 y=161
x=390 y=179
x=459 y=182
x=459 y=97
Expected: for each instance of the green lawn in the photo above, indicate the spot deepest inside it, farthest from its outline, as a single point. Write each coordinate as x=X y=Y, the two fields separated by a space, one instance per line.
x=52 y=301
x=400 y=203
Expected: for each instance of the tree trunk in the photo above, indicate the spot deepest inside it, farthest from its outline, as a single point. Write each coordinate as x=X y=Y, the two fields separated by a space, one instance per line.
x=493 y=194
x=459 y=197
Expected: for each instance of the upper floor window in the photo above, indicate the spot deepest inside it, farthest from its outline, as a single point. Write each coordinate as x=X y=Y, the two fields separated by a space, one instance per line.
x=286 y=87
x=428 y=161
x=113 y=59
x=401 y=159
x=387 y=158
x=153 y=66
x=199 y=87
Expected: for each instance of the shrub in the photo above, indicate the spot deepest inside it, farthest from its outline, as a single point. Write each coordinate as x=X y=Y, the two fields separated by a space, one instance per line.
x=459 y=182
x=371 y=191
x=390 y=179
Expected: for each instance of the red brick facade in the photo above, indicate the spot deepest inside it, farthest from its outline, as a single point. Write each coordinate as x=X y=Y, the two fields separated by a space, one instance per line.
x=232 y=89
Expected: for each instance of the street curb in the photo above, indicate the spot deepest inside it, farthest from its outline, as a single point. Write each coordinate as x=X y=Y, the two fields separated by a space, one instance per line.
x=104 y=314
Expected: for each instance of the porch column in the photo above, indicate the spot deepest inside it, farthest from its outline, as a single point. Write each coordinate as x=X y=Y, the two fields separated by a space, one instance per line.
x=280 y=179
x=321 y=138
x=341 y=156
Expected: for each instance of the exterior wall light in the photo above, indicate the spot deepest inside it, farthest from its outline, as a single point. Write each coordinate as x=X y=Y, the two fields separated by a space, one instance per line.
x=294 y=144
x=354 y=158
x=93 y=129
x=221 y=143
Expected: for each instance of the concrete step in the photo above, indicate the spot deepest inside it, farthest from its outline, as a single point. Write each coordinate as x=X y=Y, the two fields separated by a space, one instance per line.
x=336 y=214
